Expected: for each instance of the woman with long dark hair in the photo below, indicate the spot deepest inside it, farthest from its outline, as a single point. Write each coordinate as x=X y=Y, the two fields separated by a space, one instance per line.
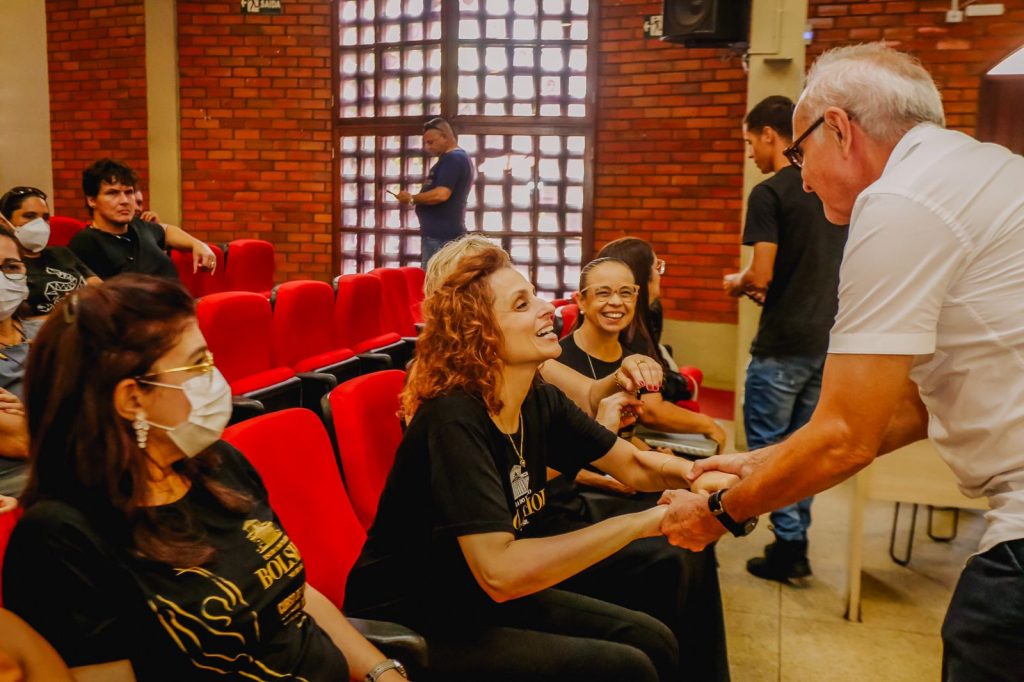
x=447 y=552
x=145 y=537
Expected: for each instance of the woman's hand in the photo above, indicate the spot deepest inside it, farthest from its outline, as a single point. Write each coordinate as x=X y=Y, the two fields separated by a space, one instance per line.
x=8 y=504
x=716 y=433
x=618 y=411
x=712 y=481
x=603 y=482
x=639 y=371
x=10 y=403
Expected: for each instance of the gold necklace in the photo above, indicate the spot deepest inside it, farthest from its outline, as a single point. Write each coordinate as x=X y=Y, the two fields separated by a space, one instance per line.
x=522 y=435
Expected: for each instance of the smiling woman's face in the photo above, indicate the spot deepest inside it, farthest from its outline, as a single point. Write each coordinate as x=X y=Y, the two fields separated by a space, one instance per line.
x=602 y=302
x=525 y=321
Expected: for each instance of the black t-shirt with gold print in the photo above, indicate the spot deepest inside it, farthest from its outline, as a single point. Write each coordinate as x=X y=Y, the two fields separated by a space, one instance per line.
x=240 y=616
x=456 y=474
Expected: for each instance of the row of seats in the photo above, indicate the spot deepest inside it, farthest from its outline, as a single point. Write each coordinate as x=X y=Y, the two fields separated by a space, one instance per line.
x=289 y=349
x=242 y=265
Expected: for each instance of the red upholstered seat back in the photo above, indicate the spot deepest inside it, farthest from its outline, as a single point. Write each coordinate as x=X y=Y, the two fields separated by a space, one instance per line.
x=237 y=327
x=7 y=522
x=396 y=312
x=292 y=453
x=414 y=282
x=569 y=313
x=302 y=323
x=357 y=310
x=62 y=229
x=250 y=266
x=203 y=282
x=368 y=432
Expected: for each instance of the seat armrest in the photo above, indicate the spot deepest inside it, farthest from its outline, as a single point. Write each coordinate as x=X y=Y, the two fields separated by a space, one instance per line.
x=396 y=641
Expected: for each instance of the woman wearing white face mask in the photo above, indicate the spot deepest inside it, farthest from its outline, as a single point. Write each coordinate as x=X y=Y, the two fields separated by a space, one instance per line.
x=53 y=271
x=15 y=335
x=145 y=537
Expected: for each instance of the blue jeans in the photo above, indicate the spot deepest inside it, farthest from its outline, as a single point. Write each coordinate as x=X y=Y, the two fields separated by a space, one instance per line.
x=428 y=247
x=781 y=394
x=983 y=635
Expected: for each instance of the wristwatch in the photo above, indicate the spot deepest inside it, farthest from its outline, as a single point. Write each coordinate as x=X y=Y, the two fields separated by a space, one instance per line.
x=737 y=528
x=384 y=666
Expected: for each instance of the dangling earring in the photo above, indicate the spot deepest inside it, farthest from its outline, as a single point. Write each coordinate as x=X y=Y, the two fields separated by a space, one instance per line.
x=141 y=427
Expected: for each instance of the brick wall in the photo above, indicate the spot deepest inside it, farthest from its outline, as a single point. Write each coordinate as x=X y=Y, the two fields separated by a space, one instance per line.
x=256 y=128
x=97 y=70
x=957 y=55
x=669 y=157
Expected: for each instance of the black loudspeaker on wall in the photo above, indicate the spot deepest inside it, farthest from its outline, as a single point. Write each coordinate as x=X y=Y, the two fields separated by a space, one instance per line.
x=706 y=23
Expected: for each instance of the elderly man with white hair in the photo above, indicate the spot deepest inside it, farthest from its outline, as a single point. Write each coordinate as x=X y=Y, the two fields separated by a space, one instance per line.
x=928 y=340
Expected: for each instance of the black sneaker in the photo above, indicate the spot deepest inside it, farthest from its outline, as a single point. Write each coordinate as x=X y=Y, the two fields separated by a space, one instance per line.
x=783 y=560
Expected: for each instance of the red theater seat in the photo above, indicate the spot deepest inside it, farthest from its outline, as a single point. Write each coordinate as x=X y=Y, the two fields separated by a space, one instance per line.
x=203 y=282
x=302 y=337
x=357 y=318
x=250 y=266
x=414 y=282
x=568 y=314
x=62 y=229
x=364 y=414
x=396 y=312
x=237 y=327
x=7 y=522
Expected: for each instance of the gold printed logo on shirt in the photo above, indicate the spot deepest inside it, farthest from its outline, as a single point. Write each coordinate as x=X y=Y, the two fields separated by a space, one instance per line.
x=264 y=534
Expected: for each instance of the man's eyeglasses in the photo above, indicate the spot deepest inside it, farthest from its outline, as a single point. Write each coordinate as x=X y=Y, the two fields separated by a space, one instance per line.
x=627 y=292
x=793 y=152
x=659 y=266
x=14 y=270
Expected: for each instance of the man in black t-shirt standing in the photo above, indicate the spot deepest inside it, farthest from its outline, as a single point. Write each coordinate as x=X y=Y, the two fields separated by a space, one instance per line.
x=441 y=203
x=116 y=241
x=794 y=275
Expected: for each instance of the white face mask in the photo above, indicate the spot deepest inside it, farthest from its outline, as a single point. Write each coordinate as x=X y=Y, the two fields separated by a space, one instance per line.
x=210 y=397
x=12 y=294
x=34 y=235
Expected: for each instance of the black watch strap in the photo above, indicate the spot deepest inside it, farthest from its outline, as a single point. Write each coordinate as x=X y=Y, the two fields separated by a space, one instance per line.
x=737 y=528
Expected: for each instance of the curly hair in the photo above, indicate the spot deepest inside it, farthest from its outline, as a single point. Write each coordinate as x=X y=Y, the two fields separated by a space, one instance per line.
x=461 y=345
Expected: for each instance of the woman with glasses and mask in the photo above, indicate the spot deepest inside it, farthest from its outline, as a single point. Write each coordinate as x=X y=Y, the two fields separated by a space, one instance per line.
x=448 y=553
x=660 y=411
x=145 y=537
x=53 y=271
x=15 y=335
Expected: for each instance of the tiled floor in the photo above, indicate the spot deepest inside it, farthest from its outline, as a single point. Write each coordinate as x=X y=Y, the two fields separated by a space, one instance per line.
x=797 y=634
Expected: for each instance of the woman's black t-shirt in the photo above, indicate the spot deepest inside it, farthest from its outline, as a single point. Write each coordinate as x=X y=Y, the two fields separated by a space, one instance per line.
x=52 y=275
x=240 y=616
x=456 y=474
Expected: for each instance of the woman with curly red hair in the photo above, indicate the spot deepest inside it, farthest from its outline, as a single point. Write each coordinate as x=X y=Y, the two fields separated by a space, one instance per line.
x=447 y=555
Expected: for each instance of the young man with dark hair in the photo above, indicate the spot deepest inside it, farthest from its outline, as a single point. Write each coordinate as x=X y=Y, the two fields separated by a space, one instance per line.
x=794 y=275
x=441 y=203
x=116 y=240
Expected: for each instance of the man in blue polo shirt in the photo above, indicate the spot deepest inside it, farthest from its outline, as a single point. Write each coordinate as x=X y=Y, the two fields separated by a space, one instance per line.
x=441 y=203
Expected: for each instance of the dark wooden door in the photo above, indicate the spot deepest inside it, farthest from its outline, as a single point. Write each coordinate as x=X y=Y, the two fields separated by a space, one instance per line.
x=1000 y=107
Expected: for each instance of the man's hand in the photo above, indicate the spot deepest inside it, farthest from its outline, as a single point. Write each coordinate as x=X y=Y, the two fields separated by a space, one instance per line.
x=740 y=464
x=8 y=504
x=150 y=216
x=733 y=284
x=712 y=481
x=10 y=403
x=404 y=197
x=203 y=257
x=639 y=371
x=688 y=523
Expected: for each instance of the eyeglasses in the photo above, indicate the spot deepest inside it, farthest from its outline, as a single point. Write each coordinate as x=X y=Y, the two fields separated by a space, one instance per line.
x=793 y=152
x=659 y=265
x=14 y=270
x=627 y=292
x=205 y=367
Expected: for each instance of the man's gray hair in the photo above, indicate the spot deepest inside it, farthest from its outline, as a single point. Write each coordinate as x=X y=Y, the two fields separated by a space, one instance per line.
x=885 y=91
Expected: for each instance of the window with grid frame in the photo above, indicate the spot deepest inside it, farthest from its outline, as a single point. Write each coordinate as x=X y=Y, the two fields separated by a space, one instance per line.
x=515 y=77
